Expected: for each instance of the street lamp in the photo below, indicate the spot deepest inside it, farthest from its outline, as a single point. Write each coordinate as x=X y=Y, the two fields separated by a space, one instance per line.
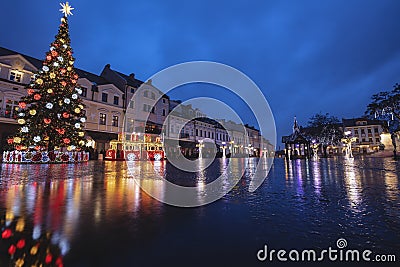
x=223 y=149
x=200 y=145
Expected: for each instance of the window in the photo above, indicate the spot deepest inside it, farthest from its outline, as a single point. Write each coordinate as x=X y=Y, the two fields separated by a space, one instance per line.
x=355 y=131
x=376 y=130
x=163 y=100
x=201 y=133
x=362 y=131
x=163 y=112
x=115 y=121
x=369 y=130
x=197 y=132
x=370 y=139
x=104 y=97
x=146 y=94
x=103 y=119
x=172 y=128
x=212 y=135
x=153 y=96
x=363 y=140
x=11 y=106
x=131 y=104
x=84 y=91
x=377 y=140
x=116 y=100
x=15 y=76
x=152 y=110
x=132 y=90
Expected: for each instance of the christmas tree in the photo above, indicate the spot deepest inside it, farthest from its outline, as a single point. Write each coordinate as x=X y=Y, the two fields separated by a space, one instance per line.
x=51 y=116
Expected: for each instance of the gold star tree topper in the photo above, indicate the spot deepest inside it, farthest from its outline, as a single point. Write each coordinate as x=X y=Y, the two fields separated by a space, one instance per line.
x=66 y=9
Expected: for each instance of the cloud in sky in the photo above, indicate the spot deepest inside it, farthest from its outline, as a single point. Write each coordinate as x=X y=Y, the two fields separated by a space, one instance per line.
x=306 y=56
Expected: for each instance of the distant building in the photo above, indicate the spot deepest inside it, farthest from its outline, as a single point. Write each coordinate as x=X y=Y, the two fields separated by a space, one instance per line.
x=297 y=145
x=367 y=133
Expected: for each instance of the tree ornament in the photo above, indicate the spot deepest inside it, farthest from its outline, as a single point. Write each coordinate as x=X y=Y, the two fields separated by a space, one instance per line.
x=63 y=71
x=62 y=40
x=6 y=234
x=19 y=263
x=73 y=81
x=80 y=106
x=77 y=125
x=21 y=243
x=55 y=64
x=74 y=96
x=78 y=90
x=30 y=91
x=34 y=250
x=32 y=112
x=81 y=134
x=67 y=101
x=49 y=105
x=71 y=63
x=12 y=249
x=46 y=138
x=52 y=48
x=45 y=68
x=81 y=143
x=37 y=97
x=77 y=110
x=66 y=140
x=65 y=46
x=37 y=139
x=17 y=140
x=21 y=121
x=48 y=58
x=25 y=129
x=47 y=120
x=54 y=53
x=52 y=75
x=69 y=68
x=60 y=103
x=22 y=105
x=61 y=59
x=76 y=76
x=10 y=141
x=48 y=258
x=39 y=81
x=63 y=83
x=21 y=114
x=65 y=115
x=60 y=131
x=83 y=120
x=50 y=91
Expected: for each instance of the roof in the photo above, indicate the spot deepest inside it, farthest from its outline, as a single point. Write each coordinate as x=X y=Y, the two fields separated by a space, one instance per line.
x=130 y=79
x=353 y=122
x=39 y=63
x=296 y=137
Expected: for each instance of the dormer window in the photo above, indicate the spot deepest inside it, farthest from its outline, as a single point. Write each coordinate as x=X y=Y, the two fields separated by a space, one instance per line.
x=104 y=97
x=15 y=76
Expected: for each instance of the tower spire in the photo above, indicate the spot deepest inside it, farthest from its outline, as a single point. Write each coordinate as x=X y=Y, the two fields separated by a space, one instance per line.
x=295 y=125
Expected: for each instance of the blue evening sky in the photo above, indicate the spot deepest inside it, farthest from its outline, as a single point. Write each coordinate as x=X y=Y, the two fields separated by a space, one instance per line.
x=307 y=56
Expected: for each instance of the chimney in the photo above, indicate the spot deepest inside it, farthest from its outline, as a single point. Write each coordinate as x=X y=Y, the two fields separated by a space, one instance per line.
x=108 y=66
x=132 y=76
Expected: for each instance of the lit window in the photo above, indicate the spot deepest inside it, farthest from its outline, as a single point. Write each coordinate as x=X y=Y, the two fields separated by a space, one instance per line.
x=15 y=76
x=103 y=119
x=11 y=108
x=104 y=97
x=116 y=100
x=115 y=121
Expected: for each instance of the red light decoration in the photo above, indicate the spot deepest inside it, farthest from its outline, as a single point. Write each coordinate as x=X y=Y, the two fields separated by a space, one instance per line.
x=63 y=71
x=48 y=58
x=59 y=262
x=6 y=234
x=12 y=249
x=63 y=83
x=30 y=91
x=76 y=76
x=65 y=115
x=47 y=121
x=66 y=140
x=22 y=104
x=10 y=141
x=48 y=258
x=37 y=97
x=21 y=243
x=54 y=53
x=61 y=131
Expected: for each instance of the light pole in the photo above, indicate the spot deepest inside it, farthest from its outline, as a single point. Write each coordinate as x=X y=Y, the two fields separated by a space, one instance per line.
x=223 y=149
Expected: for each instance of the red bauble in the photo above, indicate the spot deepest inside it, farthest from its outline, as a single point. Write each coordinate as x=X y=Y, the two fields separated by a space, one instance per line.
x=76 y=76
x=30 y=91
x=21 y=243
x=37 y=148
x=63 y=71
x=48 y=58
x=65 y=115
x=22 y=104
x=6 y=234
x=48 y=258
x=66 y=141
x=60 y=131
x=37 y=97
x=73 y=81
x=10 y=141
x=47 y=121
x=63 y=83
x=19 y=147
x=11 y=250
x=54 y=53
x=69 y=53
